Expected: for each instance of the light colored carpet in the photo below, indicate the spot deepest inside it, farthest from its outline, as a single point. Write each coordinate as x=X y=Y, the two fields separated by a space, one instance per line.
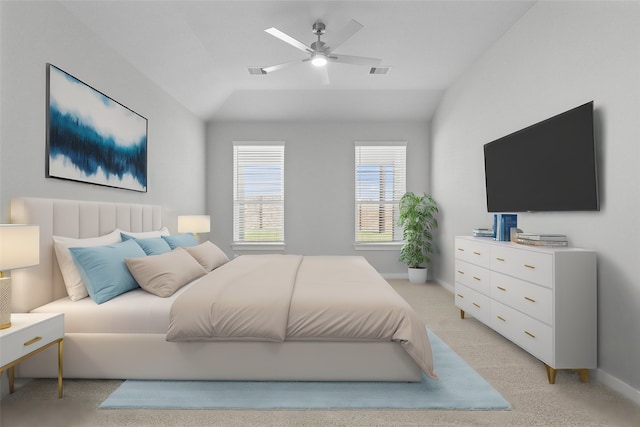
x=459 y=387
x=519 y=377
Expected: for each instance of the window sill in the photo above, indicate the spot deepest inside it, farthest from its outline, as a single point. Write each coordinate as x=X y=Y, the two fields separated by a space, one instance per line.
x=378 y=246
x=258 y=247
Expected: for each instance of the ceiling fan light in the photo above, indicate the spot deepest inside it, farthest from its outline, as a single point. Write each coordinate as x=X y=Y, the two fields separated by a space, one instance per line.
x=319 y=59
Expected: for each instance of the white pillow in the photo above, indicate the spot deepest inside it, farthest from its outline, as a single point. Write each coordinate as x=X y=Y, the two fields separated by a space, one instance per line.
x=164 y=274
x=76 y=288
x=208 y=255
x=164 y=231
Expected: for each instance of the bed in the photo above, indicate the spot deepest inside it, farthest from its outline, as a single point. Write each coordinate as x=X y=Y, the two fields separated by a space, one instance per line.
x=126 y=337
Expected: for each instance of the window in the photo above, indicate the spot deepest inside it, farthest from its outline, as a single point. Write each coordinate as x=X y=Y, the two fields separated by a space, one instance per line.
x=380 y=183
x=258 y=192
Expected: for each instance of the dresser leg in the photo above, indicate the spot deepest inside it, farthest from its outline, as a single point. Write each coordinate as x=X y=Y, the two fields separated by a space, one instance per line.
x=551 y=374
x=584 y=375
x=462 y=314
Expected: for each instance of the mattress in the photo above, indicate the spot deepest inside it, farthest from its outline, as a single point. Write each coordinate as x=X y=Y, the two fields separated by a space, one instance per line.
x=135 y=312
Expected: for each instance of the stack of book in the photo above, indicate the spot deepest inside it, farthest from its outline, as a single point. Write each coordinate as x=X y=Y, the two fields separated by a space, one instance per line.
x=534 y=239
x=483 y=232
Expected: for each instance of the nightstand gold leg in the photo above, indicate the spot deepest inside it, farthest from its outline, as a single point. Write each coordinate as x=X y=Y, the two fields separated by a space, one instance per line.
x=60 y=363
x=12 y=377
x=462 y=314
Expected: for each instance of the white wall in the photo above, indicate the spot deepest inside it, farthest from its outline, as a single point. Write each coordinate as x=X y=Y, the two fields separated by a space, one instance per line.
x=319 y=181
x=34 y=33
x=558 y=56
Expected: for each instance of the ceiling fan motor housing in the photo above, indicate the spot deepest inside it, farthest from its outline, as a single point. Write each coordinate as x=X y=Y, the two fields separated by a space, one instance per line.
x=318 y=28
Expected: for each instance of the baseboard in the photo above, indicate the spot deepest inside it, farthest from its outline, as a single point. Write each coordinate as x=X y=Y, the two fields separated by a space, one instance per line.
x=617 y=385
x=445 y=285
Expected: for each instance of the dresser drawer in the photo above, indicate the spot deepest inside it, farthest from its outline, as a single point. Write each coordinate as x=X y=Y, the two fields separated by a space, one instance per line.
x=528 y=333
x=475 y=252
x=536 y=267
x=473 y=303
x=28 y=339
x=533 y=300
x=473 y=276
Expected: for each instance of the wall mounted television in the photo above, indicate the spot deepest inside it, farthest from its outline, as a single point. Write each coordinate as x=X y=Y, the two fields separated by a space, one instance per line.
x=549 y=166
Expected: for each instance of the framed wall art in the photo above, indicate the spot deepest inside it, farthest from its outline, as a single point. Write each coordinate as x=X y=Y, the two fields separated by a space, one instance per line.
x=92 y=138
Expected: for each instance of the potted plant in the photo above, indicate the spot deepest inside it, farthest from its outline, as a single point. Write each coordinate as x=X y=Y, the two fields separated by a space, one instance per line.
x=417 y=218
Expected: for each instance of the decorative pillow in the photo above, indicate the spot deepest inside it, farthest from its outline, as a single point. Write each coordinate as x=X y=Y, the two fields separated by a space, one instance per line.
x=181 y=240
x=208 y=255
x=164 y=274
x=126 y=235
x=72 y=279
x=153 y=246
x=103 y=269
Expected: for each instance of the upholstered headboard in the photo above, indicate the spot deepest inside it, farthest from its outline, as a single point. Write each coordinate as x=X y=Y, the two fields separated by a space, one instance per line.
x=36 y=286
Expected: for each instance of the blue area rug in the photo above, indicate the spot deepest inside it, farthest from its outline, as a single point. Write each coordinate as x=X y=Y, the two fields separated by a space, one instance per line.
x=459 y=387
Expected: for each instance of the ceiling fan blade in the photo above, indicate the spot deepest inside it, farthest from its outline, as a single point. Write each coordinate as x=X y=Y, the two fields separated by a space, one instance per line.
x=354 y=60
x=343 y=35
x=277 y=67
x=288 y=39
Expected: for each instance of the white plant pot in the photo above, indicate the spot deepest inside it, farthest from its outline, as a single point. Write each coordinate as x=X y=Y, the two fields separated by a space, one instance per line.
x=418 y=275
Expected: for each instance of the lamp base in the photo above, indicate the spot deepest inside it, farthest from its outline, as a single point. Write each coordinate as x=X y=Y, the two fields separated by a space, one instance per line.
x=5 y=302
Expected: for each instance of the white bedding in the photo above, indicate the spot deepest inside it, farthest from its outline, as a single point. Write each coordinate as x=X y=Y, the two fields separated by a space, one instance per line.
x=135 y=312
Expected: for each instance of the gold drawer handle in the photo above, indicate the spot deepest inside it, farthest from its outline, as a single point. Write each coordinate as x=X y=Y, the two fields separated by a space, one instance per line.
x=460 y=272
x=32 y=341
x=476 y=305
x=476 y=253
x=500 y=259
x=530 y=334
x=501 y=288
x=477 y=278
x=501 y=318
x=461 y=296
x=461 y=250
x=529 y=299
x=530 y=266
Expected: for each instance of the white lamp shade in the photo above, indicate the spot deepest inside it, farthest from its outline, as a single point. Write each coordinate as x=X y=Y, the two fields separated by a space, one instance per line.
x=194 y=223
x=19 y=246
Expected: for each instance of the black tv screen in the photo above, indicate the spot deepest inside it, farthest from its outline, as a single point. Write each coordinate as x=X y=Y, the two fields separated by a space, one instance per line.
x=548 y=166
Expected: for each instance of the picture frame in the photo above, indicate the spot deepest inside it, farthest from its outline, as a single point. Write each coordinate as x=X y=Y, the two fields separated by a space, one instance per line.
x=92 y=138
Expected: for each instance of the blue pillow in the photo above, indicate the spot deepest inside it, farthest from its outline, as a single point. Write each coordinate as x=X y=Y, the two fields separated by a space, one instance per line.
x=153 y=246
x=104 y=271
x=181 y=240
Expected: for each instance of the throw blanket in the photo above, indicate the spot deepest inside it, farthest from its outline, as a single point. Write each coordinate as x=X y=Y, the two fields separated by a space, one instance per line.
x=290 y=297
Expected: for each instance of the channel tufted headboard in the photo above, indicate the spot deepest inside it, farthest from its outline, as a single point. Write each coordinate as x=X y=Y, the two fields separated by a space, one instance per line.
x=36 y=286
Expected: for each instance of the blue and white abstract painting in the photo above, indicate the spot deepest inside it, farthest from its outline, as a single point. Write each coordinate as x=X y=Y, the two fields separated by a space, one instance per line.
x=92 y=138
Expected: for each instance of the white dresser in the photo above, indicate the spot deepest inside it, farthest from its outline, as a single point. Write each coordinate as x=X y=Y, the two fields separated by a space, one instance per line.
x=542 y=299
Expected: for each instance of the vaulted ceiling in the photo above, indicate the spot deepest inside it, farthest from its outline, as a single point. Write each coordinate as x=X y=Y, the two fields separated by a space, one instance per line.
x=199 y=51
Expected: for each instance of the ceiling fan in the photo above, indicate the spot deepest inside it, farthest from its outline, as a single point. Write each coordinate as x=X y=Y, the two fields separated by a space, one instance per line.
x=320 y=53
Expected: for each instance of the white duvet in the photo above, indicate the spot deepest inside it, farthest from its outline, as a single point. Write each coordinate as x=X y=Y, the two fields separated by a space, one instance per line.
x=290 y=297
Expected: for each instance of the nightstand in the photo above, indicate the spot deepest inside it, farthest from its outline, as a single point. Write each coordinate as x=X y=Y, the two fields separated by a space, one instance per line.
x=30 y=334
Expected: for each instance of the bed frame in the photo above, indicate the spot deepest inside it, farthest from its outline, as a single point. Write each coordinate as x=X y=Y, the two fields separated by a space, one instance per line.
x=150 y=356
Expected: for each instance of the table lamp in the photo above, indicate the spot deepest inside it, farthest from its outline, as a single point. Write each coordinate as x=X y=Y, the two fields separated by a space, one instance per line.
x=19 y=248
x=194 y=224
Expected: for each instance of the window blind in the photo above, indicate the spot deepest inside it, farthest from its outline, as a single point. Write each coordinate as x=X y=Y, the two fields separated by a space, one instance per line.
x=258 y=192
x=380 y=183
